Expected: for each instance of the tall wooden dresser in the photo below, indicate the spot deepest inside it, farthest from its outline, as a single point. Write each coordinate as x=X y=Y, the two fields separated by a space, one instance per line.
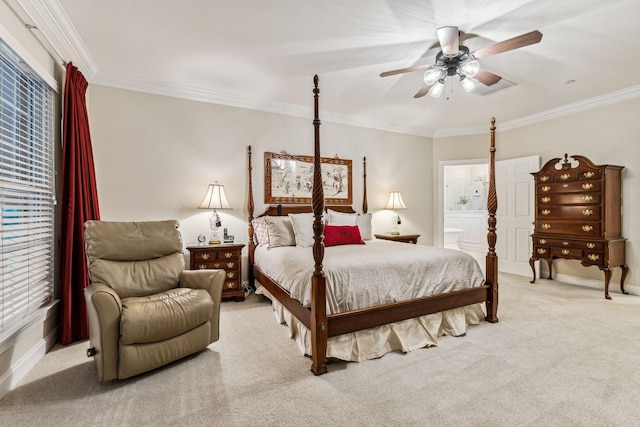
x=578 y=216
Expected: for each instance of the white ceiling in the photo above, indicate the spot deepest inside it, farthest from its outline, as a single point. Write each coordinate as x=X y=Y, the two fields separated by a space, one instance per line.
x=263 y=54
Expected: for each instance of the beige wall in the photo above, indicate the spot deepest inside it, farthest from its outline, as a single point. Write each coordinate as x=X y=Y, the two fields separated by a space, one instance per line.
x=155 y=156
x=607 y=135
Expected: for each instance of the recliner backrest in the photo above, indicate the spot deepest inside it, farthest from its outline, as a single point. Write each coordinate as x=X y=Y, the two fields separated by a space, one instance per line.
x=134 y=258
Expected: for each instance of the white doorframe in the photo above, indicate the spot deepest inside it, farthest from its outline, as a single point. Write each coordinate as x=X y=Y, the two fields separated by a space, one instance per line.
x=439 y=219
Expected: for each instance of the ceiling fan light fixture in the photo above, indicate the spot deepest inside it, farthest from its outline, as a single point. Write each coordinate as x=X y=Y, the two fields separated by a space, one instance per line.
x=437 y=88
x=432 y=75
x=470 y=67
x=468 y=83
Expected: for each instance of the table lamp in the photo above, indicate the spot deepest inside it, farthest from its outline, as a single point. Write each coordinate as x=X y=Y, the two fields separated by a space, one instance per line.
x=395 y=203
x=215 y=199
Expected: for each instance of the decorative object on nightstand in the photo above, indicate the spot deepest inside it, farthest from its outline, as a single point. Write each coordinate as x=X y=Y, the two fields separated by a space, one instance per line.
x=395 y=203
x=227 y=257
x=215 y=199
x=404 y=238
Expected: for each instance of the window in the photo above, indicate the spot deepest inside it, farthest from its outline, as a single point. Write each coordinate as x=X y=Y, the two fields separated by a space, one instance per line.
x=27 y=195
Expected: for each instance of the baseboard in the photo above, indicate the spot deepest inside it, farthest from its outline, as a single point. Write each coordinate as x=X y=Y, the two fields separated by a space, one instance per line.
x=614 y=287
x=23 y=351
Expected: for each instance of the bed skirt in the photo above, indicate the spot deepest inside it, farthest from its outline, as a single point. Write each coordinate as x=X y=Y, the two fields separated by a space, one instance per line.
x=405 y=336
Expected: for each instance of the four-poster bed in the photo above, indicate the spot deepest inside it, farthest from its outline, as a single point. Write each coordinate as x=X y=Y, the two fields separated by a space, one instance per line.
x=308 y=308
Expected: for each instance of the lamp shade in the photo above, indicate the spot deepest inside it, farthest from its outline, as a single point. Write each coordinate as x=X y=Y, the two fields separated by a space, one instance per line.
x=215 y=198
x=395 y=201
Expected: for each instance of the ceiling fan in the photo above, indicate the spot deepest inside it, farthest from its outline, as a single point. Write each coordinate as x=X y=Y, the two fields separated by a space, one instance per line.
x=455 y=59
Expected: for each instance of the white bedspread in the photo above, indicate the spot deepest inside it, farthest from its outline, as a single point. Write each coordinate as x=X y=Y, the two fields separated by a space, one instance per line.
x=378 y=272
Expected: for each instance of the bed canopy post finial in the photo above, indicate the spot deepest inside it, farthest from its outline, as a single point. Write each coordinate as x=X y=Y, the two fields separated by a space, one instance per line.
x=492 y=258
x=365 y=205
x=319 y=332
x=250 y=208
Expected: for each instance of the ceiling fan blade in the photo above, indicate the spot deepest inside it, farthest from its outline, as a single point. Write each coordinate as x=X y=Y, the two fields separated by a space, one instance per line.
x=405 y=70
x=448 y=37
x=517 y=42
x=487 y=78
x=422 y=92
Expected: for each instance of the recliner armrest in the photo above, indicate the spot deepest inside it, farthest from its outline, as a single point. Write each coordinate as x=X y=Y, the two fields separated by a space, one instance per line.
x=104 y=308
x=212 y=281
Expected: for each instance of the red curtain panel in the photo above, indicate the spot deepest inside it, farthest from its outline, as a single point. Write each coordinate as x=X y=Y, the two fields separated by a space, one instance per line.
x=79 y=204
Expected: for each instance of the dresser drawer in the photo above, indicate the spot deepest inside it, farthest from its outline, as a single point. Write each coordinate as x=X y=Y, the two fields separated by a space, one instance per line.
x=567 y=199
x=577 y=212
x=574 y=228
x=568 y=187
x=561 y=252
x=569 y=243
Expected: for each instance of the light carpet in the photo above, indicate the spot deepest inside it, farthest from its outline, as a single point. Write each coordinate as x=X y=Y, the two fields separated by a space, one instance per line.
x=561 y=355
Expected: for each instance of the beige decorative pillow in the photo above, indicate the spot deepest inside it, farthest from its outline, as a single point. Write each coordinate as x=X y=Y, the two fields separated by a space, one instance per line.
x=280 y=231
x=341 y=218
x=260 y=231
x=363 y=221
x=302 y=229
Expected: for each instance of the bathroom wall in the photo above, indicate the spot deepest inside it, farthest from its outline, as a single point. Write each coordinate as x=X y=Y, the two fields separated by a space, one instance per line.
x=466 y=181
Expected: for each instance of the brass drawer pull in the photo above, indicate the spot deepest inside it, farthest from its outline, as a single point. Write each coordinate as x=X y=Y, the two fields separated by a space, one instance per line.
x=545 y=199
x=589 y=174
x=543 y=241
x=231 y=274
x=544 y=178
x=228 y=254
x=587 y=228
x=545 y=212
x=587 y=212
x=587 y=186
x=591 y=245
x=545 y=188
x=216 y=265
x=547 y=226
x=204 y=256
x=565 y=243
x=587 y=198
x=202 y=266
x=565 y=176
x=593 y=257
x=231 y=264
x=565 y=185
x=231 y=285
x=565 y=252
x=542 y=251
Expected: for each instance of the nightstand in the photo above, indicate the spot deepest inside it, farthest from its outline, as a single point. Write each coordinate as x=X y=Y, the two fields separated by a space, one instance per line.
x=404 y=238
x=227 y=257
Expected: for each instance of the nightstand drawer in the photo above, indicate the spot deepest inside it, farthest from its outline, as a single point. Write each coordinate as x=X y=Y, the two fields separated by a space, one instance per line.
x=227 y=257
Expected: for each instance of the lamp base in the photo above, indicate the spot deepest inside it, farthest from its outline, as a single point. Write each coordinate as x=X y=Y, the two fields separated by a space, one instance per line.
x=214 y=242
x=394 y=233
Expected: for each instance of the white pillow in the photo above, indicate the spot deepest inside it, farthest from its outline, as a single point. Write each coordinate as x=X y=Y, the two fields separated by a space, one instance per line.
x=363 y=221
x=302 y=229
x=341 y=218
x=280 y=231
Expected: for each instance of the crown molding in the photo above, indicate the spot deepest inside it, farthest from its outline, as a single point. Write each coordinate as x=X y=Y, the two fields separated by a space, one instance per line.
x=555 y=113
x=54 y=24
x=233 y=100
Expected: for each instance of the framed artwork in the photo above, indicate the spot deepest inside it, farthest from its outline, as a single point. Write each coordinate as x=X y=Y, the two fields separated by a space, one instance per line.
x=288 y=179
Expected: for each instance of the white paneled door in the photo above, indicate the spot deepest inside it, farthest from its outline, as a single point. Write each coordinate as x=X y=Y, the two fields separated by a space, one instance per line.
x=515 y=214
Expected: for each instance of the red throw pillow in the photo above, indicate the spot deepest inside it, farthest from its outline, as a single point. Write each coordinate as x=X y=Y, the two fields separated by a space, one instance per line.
x=342 y=235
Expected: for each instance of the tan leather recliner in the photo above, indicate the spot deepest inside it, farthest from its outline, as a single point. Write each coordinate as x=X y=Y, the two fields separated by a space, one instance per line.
x=145 y=310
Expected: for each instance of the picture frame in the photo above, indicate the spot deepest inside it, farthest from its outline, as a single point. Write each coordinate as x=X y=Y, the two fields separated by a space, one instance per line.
x=288 y=179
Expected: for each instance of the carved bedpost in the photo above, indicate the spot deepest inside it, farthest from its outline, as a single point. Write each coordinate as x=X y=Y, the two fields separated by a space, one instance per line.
x=365 y=205
x=250 y=207
x=492 y=257
x=318 y=285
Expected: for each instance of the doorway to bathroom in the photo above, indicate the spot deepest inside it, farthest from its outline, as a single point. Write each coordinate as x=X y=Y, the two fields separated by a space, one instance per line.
x=464 y=193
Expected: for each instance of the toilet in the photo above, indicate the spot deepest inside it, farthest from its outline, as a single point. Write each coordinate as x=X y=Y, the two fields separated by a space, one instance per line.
x=451 y=236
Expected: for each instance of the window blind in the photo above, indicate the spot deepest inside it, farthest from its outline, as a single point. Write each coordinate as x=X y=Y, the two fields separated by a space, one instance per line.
x=27 y=195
